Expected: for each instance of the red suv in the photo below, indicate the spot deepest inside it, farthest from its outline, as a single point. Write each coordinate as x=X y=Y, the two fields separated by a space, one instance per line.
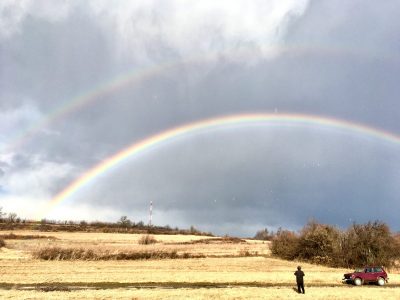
x=367 y=275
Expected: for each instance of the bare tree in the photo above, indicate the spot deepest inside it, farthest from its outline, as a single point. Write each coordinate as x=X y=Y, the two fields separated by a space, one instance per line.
x=124 y=222
x=12 y=217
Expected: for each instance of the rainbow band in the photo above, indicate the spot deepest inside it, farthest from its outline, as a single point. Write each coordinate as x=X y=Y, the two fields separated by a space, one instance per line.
x=215 y=123
x=95 y=93
x=85 y=99
x=134 y=77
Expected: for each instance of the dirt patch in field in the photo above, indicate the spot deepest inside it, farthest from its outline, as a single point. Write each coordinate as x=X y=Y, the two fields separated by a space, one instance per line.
x=221 y=240
x=72 y=286
x=12 y=254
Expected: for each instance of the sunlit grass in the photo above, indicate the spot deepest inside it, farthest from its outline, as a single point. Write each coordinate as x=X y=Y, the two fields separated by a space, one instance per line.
x=253 y=277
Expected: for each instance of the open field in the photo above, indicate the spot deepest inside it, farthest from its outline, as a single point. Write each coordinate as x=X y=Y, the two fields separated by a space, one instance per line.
x=231 y=270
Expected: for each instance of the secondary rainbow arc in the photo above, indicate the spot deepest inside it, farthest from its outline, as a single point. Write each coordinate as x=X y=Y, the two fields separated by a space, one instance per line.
x=136 y=76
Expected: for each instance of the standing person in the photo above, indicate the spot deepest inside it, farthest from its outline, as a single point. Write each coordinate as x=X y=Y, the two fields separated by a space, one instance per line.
x=299 y=279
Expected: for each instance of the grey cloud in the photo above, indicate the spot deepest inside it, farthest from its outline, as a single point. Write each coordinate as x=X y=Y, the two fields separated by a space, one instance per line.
x=355 y=61
x=232 y=177
x=334 y=62
x=51 y=63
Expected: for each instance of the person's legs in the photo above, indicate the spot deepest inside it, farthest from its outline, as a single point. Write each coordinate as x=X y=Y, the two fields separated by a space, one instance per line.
x=298 y=287
x=302 y=287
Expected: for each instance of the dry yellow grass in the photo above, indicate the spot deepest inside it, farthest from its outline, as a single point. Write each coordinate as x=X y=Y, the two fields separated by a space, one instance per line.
x=246 y=275
x=335 y=293
x=130 y=242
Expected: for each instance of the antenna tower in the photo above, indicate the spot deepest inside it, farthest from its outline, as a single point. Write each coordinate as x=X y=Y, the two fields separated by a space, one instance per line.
x=151 y=213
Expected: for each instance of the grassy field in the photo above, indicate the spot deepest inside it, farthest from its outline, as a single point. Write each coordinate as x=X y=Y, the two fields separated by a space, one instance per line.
x=231 y=269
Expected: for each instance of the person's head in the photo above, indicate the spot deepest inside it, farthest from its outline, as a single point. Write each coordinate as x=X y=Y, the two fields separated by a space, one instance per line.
x=299 y=268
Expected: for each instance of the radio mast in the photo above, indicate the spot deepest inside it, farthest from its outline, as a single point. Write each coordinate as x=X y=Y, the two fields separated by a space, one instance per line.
x=151 y=213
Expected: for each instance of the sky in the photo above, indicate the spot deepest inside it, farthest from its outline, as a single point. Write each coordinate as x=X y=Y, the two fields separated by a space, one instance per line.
x=82 y=80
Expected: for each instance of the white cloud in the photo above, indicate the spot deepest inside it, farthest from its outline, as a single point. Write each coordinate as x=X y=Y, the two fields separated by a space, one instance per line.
x=13 y=13
x=37 y=179
x=13 y=123
x=26 y=189
x=82 y=211
x=197 y=28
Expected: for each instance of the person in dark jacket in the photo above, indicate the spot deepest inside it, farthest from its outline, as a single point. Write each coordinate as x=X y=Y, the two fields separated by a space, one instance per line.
x=300 y=280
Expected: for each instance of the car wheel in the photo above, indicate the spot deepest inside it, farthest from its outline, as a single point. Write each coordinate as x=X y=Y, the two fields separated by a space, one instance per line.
x=381 y=281
x=358 y=281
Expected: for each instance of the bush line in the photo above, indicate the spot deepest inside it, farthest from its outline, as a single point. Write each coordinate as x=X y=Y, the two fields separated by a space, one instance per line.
x=12 y=236
x=58 y=253
x=360 y=245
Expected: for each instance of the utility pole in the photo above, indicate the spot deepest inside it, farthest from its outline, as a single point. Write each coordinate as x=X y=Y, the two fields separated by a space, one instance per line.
x=151 y=214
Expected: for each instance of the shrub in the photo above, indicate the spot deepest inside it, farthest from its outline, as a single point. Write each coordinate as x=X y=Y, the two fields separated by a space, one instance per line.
x=371 y=243
x=264 y=235
x=360 y=245
x=12 y=236
x=247 y=253
x=319 y=243
x=57 y=253
x=147 y=240
x=285 y=244
x=2 y=243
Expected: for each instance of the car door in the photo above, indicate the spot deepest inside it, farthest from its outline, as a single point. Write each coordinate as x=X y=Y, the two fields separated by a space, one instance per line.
x=379 y=273
x=369 y=274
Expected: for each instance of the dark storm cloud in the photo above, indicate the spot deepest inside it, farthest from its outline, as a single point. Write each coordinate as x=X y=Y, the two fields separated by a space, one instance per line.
x=255 y=176
x=335 y=62
x=355 y=63
x=50 y=62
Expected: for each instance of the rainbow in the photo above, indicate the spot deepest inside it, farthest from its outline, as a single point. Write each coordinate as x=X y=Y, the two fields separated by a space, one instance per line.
x=108 y=87
x=259 y=119
x=84 y=99
x=97 y=92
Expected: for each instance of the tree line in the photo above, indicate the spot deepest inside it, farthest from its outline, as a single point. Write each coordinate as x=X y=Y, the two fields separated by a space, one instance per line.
x=10 y=221
x=371 y=243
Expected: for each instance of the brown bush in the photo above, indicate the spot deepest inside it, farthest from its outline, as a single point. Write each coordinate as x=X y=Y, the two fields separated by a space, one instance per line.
x=371 y=244
x=264 y=235
x=360 y=245
x=57 y=253
x=12 y=236
x=319 y=243
x=2 y=243
x=219 y=240
x=285 y=244
x=247 y=253
x=147 y=240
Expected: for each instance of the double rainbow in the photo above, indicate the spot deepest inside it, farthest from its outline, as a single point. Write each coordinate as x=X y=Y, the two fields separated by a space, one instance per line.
x=138 y=75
